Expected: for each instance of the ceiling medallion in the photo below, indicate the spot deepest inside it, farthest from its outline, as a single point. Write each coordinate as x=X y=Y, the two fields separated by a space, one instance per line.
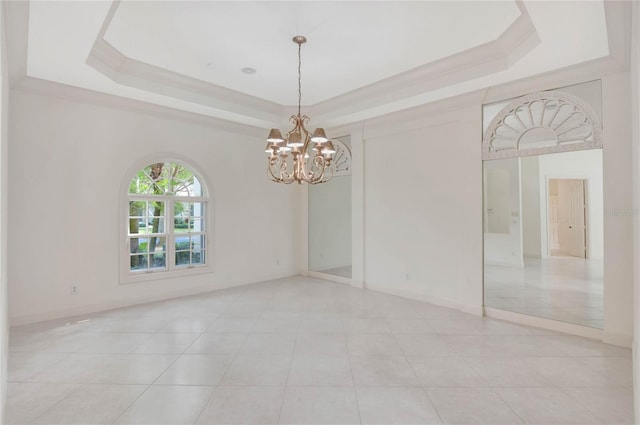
x=300 y=156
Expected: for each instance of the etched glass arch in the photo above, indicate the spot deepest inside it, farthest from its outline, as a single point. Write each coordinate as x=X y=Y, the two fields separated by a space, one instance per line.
x=539 y=123
x=341 y=163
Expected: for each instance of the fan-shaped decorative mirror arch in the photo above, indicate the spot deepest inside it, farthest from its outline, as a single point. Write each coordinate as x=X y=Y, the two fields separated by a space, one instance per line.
x=539 y=123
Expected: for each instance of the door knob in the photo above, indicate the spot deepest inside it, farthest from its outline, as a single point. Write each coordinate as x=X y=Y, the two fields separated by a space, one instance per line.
x=570 y=227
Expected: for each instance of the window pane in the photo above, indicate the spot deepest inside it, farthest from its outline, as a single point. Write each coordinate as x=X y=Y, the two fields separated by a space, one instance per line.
x=197 y=257
x=155 y=208
x=197 y=225
x=182 y=258
x=159 y=260
x=157 y=244
x=197 y=209
x=138 y=262
x=137 y=225
x=155 y=225
x=182 y=243
x=182 y=225
x=137 y=245
x=197 y=242
x=184 y=183
x=152 y=180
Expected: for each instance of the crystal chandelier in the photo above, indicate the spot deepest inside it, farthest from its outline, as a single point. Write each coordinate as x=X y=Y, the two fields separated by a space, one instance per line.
x=300 y=156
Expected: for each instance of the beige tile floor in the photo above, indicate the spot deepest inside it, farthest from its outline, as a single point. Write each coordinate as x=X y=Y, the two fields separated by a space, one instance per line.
x=566 y=289
x=305 y=351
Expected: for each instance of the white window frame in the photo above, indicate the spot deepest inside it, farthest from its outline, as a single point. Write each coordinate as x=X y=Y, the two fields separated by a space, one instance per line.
x=171 y=270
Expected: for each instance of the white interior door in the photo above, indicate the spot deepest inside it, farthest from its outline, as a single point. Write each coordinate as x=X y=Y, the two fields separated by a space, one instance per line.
x=571 y=223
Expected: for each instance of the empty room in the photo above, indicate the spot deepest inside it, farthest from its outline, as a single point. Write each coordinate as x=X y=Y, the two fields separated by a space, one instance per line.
x=319 y=212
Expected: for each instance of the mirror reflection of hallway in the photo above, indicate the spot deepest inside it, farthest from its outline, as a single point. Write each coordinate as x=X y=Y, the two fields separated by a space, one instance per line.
x=550 y=262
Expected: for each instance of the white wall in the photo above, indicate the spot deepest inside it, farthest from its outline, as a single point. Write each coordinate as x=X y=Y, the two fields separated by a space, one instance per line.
x=423 y=208
x=69 y=159
x=330 y=224
x=618 y=196
x=4 y=141
x=506 y=249
x=635 y=121
x=530 y=187
x=585 y=165
x=423 y=205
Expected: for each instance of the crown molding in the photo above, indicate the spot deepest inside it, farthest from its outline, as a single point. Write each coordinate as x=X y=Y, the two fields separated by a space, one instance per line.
x=372 y=100
x=497 y=55
x=394 y=96
x=127 y=71
x=62 y=91
x=618 y=16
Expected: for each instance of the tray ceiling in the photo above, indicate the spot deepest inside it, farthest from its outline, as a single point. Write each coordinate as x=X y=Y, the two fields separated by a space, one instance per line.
x=362 y=58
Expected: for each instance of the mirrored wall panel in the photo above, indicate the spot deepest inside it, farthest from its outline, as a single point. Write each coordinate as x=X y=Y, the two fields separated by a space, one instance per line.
x=543 y=236
x=330 y=218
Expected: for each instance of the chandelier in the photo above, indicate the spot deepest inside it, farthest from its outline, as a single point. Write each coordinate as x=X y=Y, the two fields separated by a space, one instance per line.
x=300 y=156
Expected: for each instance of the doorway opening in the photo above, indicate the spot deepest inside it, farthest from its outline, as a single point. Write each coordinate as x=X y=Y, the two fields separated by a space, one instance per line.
x=567 y=218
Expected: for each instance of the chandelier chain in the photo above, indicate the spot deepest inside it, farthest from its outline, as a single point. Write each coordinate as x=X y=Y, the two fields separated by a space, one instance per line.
x=299 y=78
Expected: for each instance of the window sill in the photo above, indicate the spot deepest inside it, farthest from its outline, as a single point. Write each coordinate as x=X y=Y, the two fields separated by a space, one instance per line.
x=144 y=276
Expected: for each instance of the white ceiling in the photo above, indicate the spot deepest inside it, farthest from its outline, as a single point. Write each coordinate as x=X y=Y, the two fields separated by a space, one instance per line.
x=361 y=46
x=350 y=44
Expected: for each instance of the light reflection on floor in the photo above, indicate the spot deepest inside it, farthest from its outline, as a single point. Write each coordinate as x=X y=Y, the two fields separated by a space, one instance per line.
x=560 y=288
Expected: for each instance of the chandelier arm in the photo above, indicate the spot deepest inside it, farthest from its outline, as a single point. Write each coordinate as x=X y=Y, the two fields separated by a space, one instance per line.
x=284 y=176
x=275 y=164
x=279 y=165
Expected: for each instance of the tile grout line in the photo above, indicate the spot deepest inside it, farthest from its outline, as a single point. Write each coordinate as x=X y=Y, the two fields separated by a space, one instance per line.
x=155 y=380
x=424 y=391
x=178 y=356
x=80 y=386
x=286 y=382
x=353 y=379
x=235 y=356
x=507 y=404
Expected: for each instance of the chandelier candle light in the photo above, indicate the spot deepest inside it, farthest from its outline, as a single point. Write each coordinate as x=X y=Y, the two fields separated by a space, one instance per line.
x=299 y=157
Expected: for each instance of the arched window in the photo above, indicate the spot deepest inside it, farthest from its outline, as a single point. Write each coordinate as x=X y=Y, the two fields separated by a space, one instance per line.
x=166 y=220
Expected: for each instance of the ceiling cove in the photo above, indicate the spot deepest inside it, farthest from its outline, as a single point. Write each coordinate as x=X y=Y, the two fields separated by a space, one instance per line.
x=187 y=56
x=488 y=57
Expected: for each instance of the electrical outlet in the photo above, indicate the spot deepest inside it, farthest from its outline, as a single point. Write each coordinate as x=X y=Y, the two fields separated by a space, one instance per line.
x=74 y=290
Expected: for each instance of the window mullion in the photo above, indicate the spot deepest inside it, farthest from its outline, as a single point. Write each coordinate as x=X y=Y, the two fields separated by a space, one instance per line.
x=169 y=223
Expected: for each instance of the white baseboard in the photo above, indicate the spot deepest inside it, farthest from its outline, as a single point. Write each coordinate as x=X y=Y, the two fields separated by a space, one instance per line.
x=111 y=305
x=542 y=323
x=442 y=302
x=617 y=339
x=330 y=277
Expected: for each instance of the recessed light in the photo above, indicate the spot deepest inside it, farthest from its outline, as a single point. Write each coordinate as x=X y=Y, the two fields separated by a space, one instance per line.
x=248 y=70
x=211 y=65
